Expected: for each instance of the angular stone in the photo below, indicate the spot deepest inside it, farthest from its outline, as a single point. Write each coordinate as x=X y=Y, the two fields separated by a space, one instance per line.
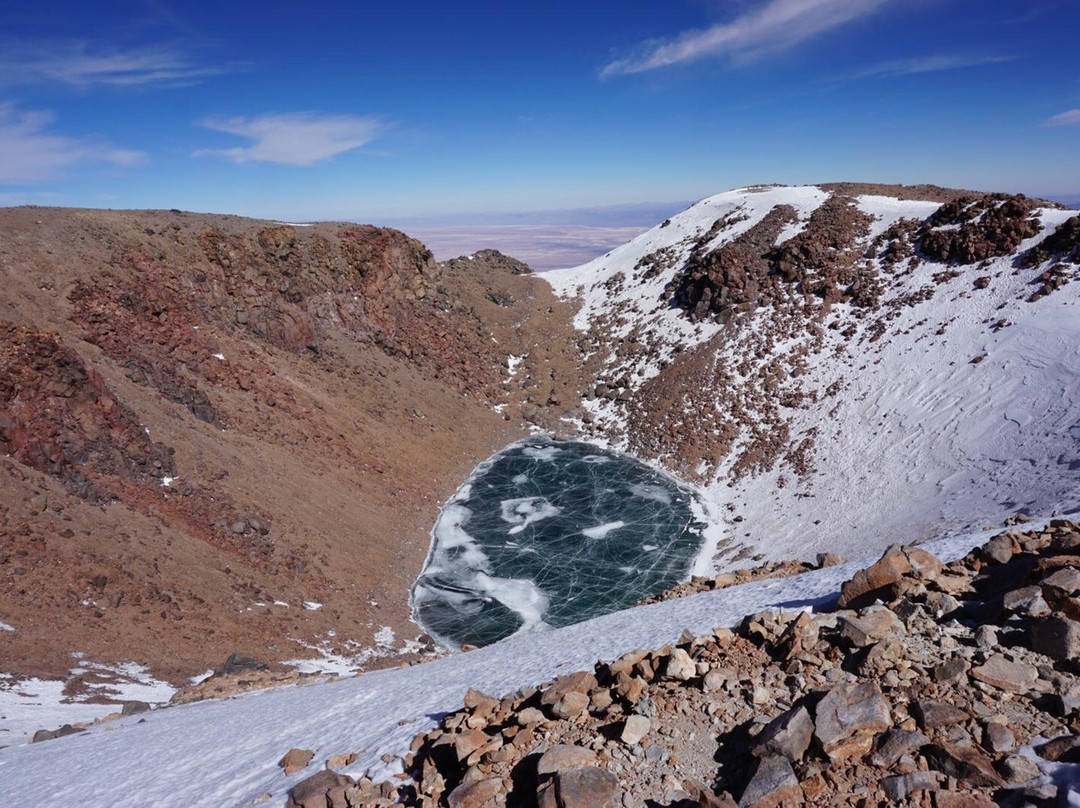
x=1015 y=677
x=956 y=799
x=580 y=682
x=487 y=793
x=848 y=718
x=964 y=763
x=877 y=582
x=680 y=667
x=1026 y=600
x=588 y=787
x=999 y=550
x=1065 y=748
x=774 y=783
x=870 y=628
x=1061 y=584
x=295 y=759
x=899 y=786
x=563 y=758
x=950 y=671
x=788 y=734
x=1057 y=637
x=998 y=738
x=468 y=742
x=932 y=714
x=530 y=717
x=635 y=728
x=895 y=744
x=571 y=705
x=312 y=791
x=1019 y=769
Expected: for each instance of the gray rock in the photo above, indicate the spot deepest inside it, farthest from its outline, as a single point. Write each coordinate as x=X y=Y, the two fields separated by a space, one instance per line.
x=680 y=666
x=773 y=783
x=999 y=738
x=788 y=734
x=932 y=714
x=589 y=787
x=895 y=744
x=899 y=786
x=1058 y=637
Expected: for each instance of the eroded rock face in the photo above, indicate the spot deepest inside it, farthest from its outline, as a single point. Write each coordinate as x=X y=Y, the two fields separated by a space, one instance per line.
x=58 y=416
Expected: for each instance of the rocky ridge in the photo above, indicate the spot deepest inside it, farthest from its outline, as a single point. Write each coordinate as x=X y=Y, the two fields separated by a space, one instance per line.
x=928 y=684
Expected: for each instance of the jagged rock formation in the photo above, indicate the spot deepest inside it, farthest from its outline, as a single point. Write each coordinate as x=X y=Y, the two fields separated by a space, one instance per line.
x=835 y=361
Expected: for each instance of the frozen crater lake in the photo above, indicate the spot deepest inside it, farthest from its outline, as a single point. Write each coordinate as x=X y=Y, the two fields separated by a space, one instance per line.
x=546 y=534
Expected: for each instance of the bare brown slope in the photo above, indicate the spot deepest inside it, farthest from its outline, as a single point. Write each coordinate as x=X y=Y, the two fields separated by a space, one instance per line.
x=309 y=395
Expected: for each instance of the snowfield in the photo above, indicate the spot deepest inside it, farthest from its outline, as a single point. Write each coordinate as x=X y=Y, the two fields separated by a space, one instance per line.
x=965 y=411
x=225 y=753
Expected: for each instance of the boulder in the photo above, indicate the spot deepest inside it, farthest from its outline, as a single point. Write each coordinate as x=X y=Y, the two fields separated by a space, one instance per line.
x=564 y=757
x=314 y=791
x=899 y=786
x=878 y=581
x=680 y=667
x=1015 y=677
x=932 y=714
x=1057 y=636
x=870 y=628
x=967 y=764
x=487 y=793
x=635 y=728
x=895 y=744
x=774 y=783
x=588 y=787
x=788 y=735
x=296 y=759
x=848 y=718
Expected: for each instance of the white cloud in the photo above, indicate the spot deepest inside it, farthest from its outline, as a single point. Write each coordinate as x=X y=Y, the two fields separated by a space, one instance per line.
x=1069 y=118
x=776 y=25
x=31 y=152
x=295 y=138
x=925 y=64
x=78 y=63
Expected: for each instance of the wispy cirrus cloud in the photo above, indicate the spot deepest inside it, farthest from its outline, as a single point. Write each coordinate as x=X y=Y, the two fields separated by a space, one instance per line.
x=924 y=64
x=31 y=151
x=1068 y=118
x=775 y=25
x=294 y=138
x=82 y=64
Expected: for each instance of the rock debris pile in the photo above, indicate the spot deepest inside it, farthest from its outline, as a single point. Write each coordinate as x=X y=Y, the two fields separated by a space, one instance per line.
x=929 y=684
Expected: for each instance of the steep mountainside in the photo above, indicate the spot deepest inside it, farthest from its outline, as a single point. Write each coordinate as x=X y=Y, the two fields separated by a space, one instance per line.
x=221 y=435
x=846 y=365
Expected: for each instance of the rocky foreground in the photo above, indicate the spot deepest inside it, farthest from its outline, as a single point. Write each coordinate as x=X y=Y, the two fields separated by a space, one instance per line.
x=928 y=684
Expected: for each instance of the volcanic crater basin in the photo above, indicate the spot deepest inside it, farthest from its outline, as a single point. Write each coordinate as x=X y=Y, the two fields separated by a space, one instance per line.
x=547 y=534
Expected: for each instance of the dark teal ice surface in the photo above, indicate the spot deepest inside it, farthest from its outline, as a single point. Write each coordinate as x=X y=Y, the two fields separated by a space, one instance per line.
x=533 y=540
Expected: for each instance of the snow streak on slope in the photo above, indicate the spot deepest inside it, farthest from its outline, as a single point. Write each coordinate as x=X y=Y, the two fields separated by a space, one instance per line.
x=944 y=399
x=224 y=753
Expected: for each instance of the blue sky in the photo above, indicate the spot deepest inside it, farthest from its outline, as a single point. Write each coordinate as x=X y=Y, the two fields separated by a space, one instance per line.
x=385 y=111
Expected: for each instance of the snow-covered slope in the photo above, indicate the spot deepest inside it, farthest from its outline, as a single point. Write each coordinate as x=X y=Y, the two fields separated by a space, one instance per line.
x=898 y=397
x=224 y=753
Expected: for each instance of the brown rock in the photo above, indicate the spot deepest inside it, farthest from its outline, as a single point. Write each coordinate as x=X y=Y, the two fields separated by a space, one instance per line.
x=848 y=718
x=587 y=787
x=635 y=728
x=1065 y=748
x=955 y=799
x=571 y=705
x=877 y=581
x=564 y=757
x=312 y=792
x=487 y=793
x=295 y=759
x=932 y=714
x=1015 y=677
x=870 y=628
x=895 y=744
x=964 y=763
